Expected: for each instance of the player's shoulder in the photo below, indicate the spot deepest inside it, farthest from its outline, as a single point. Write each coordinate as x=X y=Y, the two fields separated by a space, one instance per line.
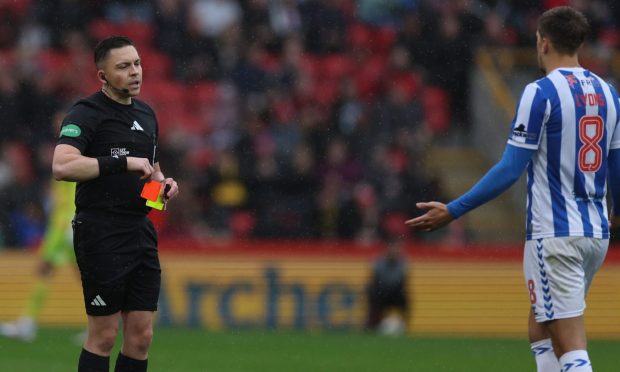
x=598 y=82
x=87 y=105
x=143 y=106
x=545 y=88
x=534 y=92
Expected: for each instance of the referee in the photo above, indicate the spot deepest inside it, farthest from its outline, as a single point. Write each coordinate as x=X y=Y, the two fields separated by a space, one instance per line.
x=108 y=144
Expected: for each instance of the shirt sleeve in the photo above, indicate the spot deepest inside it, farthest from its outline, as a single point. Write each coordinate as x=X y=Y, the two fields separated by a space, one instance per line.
x=615 y=136
x=497 y=180
x=78 y=127
x=614 y=179
x=532 y=113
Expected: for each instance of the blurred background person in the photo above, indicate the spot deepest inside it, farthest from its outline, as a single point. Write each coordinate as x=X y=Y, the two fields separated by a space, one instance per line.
x=388 y=299
x=55 y=251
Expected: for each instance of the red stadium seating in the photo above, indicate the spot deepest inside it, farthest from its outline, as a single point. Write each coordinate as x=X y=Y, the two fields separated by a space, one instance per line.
x=610 y=37
x=101 y=28
x=436 y=104
x=204 y=93
x=52 y=61
x=157 y=65
x=326 y=92
x=18 y=8
x=164 y=93
x=368 y=77
x=335 y=66
x=140 y=32
x=383 y=40
x=7 y=58
x=359 y=36
x=241 y=224
x=310 y=65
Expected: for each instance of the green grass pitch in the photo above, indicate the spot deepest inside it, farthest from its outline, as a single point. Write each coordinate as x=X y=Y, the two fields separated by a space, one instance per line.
x=192 y=350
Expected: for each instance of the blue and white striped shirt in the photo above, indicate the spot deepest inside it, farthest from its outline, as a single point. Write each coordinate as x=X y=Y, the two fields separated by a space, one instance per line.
x=570 y=117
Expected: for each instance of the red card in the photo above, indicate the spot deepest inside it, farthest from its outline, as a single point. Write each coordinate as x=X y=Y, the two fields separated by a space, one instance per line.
x=150 y=191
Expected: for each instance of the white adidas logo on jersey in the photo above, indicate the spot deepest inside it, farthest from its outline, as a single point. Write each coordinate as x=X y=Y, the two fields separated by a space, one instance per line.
x=136 y=126
x=98 y=301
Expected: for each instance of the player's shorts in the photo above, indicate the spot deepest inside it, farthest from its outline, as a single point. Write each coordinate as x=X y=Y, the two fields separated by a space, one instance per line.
x=118 y=261
x=558 y=274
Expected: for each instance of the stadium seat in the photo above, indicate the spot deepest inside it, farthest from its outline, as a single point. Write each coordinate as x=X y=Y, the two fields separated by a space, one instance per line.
x=52 y=61
x=382 y=40
x=436 y=105
x=164 y=94
x=101 y=28
x=360 y=36
x=159 y=219
x=201 y=94
x=368 y=77
x=200 y=158
x=141 y=33
x=19 y=8
x=241 y=224
x=310 y=65
x=335 y=66
x=157 y=65
x=205 y=92
x=610 y=37
x=7 y=58
x=326 y=92
x=392 y=224
x=270 y=63
x=407 y=82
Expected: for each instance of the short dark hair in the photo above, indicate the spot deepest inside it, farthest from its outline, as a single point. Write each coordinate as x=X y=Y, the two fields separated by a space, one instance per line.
x=565 y=27
x=104 y=46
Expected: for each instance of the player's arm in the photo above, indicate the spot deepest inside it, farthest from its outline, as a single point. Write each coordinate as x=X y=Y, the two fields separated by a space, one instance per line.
x=69 y=164
x=158 y=176
x=497 y=180
x=614 y=184
x=527 y=125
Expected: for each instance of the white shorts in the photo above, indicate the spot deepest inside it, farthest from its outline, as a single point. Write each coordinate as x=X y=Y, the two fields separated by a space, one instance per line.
x=558 y=274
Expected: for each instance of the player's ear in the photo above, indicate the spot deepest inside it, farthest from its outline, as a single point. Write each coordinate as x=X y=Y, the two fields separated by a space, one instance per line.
x=101 y=76
x=545 y=45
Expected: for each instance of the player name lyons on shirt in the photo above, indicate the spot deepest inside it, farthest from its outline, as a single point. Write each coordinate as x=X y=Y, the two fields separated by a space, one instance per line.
x=576 y=151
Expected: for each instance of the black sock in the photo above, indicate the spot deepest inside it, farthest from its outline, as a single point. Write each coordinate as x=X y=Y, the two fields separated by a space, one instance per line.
x=127 y=364
x=90 y=362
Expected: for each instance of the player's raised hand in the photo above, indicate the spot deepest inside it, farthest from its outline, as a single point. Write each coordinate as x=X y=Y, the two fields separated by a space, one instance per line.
x=140 y=165
x=437 y=216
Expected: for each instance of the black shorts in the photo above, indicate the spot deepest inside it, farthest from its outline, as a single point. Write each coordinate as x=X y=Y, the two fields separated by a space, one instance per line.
x=118 y=261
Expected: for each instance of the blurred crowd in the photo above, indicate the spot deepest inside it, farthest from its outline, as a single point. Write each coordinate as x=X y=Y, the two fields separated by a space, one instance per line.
x=279 y=118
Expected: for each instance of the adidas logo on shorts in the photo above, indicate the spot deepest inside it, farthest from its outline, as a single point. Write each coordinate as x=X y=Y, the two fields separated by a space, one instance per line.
x=98 y=301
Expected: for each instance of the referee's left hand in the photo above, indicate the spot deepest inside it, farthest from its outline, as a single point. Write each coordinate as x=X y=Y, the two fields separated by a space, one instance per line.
x=436 y=217
x=173 y=188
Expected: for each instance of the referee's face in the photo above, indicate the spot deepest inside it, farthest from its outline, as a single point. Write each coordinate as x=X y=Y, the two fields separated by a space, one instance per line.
x=123 y=72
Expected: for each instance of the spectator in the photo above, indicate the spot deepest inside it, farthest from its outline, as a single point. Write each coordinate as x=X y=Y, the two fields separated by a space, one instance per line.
x=304 y=74
x=212 y=17
x=387 y=291
x=324 y=26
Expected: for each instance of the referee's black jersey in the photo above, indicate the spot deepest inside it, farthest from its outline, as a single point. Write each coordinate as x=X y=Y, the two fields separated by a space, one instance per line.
x=100 y=126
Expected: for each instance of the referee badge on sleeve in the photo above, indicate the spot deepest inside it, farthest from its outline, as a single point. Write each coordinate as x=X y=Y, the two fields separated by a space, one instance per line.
x=70 y=130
